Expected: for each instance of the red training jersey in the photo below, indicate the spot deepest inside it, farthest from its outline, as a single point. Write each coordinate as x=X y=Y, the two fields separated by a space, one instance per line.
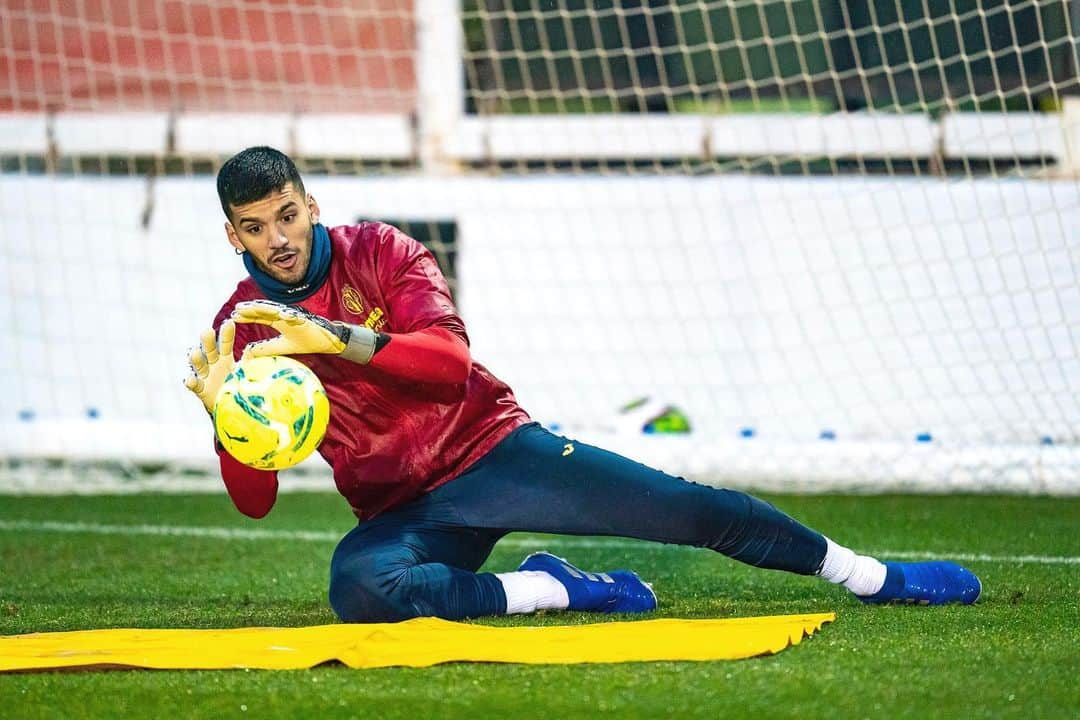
x=390 y=439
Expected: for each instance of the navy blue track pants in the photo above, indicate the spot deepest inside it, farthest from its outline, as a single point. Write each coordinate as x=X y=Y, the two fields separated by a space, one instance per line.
x=421 y=559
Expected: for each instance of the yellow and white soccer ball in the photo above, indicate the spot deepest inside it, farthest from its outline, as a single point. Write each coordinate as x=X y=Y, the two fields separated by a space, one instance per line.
x=271 y=412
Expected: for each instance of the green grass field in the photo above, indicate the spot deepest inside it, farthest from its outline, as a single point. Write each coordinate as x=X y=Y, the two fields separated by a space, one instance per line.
x=1015 y=654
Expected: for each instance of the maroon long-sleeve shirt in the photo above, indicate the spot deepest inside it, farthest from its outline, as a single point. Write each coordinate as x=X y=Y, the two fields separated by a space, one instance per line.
x=420 y=412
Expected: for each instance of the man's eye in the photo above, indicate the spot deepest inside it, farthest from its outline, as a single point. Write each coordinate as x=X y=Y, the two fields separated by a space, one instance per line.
x=253 y=229
x=289 y=218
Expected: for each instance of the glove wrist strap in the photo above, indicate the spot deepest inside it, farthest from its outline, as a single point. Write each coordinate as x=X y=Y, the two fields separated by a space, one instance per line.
x=360 y=343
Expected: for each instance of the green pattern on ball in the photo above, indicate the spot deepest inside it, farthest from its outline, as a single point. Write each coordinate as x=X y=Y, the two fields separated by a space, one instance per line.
x=271 y=412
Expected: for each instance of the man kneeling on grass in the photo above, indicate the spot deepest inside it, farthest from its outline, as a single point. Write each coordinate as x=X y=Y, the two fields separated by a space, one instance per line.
x=435 y=456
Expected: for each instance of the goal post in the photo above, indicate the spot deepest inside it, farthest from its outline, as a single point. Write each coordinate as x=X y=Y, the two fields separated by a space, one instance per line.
x=837 y=240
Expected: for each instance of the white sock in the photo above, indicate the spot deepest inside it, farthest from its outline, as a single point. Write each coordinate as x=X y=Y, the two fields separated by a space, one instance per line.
x=531 y=590
x=861 y=574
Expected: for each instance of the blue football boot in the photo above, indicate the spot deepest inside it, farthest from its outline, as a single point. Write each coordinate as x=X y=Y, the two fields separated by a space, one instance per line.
x=927 y=583
x=618 y=591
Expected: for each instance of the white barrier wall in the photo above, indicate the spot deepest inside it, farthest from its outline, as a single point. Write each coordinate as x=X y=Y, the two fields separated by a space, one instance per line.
x=875 y=309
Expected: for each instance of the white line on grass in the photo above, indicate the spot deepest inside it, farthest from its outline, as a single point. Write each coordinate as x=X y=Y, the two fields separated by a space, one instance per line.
x=223 y=533
x=226 y=533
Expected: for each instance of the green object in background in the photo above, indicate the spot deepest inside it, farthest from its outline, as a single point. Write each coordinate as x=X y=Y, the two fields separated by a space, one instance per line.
x=652 y=417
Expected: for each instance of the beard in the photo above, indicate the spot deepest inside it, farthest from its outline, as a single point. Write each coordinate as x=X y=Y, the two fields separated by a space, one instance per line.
x=292 y=275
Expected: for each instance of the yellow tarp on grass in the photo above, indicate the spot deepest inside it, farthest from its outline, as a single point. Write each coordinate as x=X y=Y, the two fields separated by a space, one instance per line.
x=415 y=643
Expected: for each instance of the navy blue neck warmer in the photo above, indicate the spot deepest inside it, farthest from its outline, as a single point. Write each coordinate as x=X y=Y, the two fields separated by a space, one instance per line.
x=318 y=269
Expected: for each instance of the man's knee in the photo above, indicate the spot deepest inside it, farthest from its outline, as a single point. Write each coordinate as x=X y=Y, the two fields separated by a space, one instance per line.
x=370 y=588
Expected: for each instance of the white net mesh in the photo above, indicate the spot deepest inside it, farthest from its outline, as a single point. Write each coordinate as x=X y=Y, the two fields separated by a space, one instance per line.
x=840 y=238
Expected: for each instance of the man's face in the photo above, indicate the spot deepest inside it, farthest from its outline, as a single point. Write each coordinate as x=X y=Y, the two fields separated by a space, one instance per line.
x=277 y=232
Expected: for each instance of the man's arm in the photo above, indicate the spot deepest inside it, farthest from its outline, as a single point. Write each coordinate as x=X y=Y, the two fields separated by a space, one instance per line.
x=429 y=343
x=433 y=354
x=253 y=491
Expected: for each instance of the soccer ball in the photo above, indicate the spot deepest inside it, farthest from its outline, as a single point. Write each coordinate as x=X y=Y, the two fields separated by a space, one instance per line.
x=271 y=412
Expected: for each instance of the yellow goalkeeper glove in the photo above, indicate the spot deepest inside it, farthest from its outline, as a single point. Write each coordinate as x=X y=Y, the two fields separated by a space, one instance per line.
x=305 y=333
x=211 y=361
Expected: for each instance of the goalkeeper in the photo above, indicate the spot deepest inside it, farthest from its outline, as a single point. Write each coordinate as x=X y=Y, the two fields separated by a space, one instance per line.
x=434 y=454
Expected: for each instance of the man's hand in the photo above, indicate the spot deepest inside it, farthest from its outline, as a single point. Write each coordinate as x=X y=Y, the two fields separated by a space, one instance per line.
x=211 y=361
x=304 y=333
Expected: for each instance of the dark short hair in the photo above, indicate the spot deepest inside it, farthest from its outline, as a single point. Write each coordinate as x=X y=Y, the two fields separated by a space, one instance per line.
x=252 y=174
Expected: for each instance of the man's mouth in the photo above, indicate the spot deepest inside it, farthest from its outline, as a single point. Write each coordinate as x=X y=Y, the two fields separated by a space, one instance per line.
x=285 y=261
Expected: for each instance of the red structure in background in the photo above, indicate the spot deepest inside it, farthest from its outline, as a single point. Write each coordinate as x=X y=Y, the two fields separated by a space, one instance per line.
x=207 y=55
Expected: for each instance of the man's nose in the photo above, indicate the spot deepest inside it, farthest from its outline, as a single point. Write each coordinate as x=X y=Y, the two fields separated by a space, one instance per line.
x=278 y=239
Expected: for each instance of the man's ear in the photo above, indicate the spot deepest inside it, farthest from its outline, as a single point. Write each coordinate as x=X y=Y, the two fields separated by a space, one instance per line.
x=230 y=233
x=313 y=208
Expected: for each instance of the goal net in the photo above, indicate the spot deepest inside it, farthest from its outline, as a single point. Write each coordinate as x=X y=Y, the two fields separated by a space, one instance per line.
x=775 y=244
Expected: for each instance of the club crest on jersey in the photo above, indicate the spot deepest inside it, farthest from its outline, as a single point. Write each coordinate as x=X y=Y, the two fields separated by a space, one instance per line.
x=350 y=298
